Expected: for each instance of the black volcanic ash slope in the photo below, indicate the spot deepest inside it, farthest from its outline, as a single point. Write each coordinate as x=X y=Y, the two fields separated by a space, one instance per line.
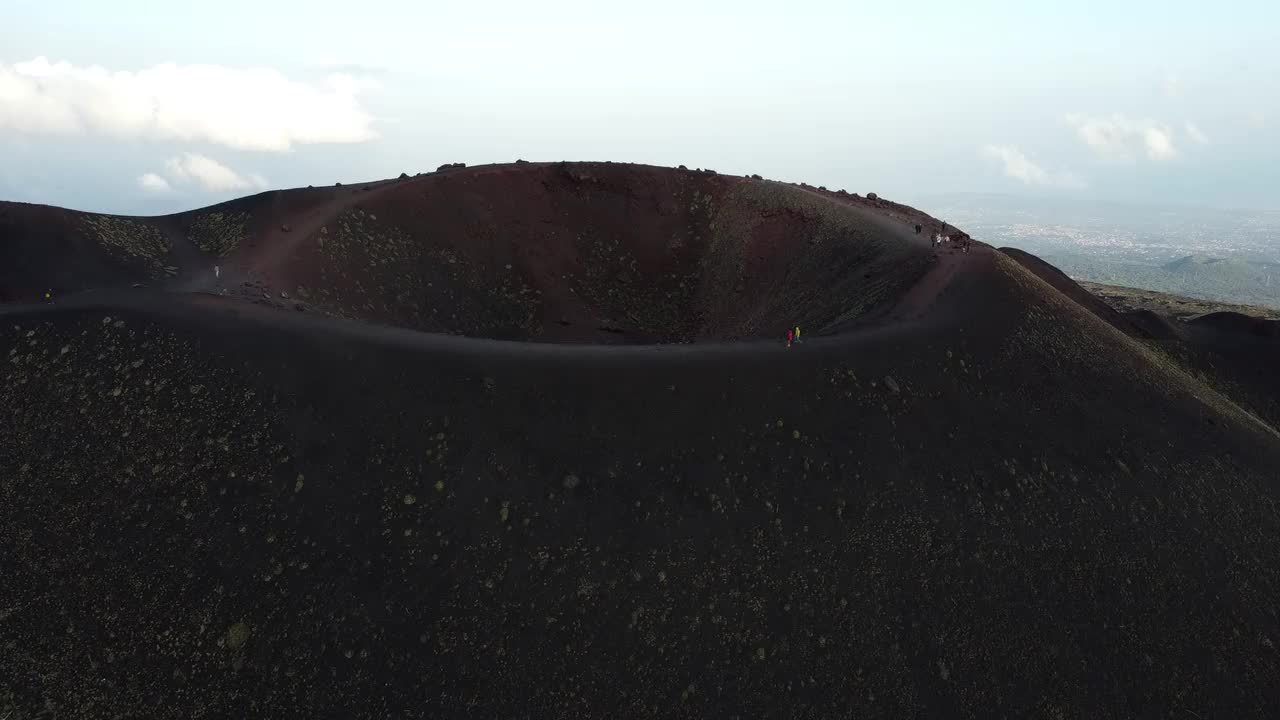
x=1010 y=508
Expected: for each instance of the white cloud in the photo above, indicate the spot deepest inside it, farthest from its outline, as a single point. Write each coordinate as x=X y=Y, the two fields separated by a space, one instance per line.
x=1159 y=142
x=1107 y=137
x=1018 y=166
x=1194 y=132
x=241 y=108
x=1119 y=138
x=210 y=174
x=152 y=182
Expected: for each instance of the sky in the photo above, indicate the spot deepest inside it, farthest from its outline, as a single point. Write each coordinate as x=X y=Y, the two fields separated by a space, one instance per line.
x=152 y=107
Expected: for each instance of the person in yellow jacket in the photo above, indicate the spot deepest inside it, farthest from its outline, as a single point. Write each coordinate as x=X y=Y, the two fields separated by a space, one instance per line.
x=797 y=334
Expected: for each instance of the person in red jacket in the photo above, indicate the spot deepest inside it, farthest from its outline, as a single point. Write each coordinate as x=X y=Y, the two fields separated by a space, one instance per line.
x=791 y=335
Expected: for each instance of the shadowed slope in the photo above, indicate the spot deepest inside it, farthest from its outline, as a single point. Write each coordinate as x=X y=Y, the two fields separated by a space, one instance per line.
x=46 y=249
x=996 y=502
x=1234 y=353
x=1065 y=285
x=1233 y=322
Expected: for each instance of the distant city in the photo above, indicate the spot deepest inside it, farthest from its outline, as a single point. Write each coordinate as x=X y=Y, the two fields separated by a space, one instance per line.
x=1224 y=255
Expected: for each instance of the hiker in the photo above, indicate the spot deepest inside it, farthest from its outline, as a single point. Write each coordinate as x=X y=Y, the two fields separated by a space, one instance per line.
x=918 y=229
x=790 y=336
x=797 y=334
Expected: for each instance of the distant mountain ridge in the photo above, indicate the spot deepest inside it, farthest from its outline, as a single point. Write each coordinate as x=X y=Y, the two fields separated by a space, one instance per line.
x=1191 y=262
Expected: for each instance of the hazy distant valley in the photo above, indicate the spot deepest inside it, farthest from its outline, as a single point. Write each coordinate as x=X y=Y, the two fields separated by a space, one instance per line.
x=1224 y=255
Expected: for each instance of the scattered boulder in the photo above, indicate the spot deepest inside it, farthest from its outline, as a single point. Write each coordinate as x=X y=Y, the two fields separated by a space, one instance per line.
x=892 y=384
x=872 y=196
x=450 y=166
x=285 y=228
x=522 y=162
x=682 y=167
x=823 y=188
x=237 y=635
x=578 y=174
x=756 y=177
x=404 y=176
